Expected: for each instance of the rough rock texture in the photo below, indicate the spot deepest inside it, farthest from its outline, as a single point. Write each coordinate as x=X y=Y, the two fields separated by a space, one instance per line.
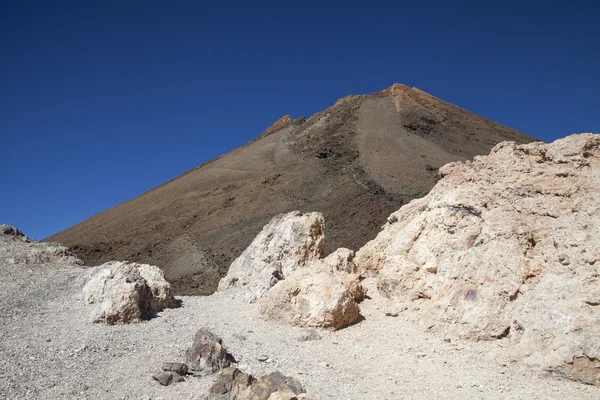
x=341 y=264
x=306 y=298
x=126 y=292
x=506 y=246
x=177 y=367
x=287 y=243
x=207 y=354
x=233 y=384
x=10 y=230
x=356 y=162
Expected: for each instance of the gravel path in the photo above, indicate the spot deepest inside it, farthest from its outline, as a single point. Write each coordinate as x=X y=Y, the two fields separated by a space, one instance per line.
x=50 y=350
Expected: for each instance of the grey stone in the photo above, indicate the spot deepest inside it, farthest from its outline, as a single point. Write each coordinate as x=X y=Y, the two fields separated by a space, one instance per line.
x=207 y=354
x=177 y=367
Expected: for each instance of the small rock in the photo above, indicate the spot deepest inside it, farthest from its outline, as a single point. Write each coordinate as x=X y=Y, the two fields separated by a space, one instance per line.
x=391 y=314
x=177 y=367
x=307 y=335
x=262 y=358
x=165 y=378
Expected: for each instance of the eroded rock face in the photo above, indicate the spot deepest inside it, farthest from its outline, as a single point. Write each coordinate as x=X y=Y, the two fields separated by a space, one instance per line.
x=207 y=354
x=288 y=242
x=311 y=299
x=506 y=246
x=125 y=292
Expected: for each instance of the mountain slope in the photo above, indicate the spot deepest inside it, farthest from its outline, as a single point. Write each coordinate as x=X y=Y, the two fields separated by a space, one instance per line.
x=356 y=162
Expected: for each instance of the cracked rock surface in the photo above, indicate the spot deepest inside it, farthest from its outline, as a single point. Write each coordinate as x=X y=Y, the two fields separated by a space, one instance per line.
x=507 y=245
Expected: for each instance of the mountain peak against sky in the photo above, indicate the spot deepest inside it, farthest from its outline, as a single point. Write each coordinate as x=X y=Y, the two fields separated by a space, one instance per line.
x=355 y=162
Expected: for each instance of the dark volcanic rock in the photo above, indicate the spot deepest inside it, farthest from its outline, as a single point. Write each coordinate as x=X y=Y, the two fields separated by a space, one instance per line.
x=177 y=367
x=207 y=354
x=166 y=378
x=233 y=384
x=356 y=163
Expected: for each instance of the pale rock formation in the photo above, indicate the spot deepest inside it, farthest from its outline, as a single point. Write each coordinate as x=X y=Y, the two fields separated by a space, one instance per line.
x=288 y=242
x=311 y=299
x=507 y=245
x=125 y=292
x=340 y=263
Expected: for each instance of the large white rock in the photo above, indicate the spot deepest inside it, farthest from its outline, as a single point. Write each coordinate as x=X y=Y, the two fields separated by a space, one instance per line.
x=313 y=299
x=125 y=292
x=288 y=242
x=506 y=246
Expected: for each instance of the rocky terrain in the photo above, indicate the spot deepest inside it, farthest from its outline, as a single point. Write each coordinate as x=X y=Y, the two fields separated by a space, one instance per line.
x=485 y=288
x=356 y=162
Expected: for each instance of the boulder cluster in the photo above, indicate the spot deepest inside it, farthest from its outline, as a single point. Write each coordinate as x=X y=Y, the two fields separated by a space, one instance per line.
x=208 y=356
x=284 y=271
x=506 y=246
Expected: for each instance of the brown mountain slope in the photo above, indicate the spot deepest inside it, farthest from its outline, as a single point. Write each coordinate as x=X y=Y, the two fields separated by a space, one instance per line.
x=356 y=162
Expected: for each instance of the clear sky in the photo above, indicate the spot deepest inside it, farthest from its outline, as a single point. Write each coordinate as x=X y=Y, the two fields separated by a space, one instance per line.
x=101 y=101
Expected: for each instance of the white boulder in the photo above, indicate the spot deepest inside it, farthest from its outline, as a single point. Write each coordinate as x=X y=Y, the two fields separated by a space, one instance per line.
x=126 y=292
x=290 y=241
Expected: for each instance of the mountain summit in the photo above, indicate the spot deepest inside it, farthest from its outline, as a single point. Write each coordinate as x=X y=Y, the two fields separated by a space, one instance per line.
x=356 y=162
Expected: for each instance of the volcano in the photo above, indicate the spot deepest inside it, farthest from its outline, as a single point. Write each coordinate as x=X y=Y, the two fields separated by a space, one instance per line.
x=356 y=162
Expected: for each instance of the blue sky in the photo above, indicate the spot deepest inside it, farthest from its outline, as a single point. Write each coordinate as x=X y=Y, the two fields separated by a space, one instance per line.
x=101 y=101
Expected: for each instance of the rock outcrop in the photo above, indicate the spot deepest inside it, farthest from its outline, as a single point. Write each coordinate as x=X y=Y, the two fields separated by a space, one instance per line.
x=126 y=292
x=505 y=246
x=233 y=384
x=290 y=241
x=10 y=230
x=207 y=354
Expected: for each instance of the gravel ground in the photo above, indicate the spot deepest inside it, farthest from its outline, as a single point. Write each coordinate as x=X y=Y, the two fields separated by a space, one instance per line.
x=51 y=350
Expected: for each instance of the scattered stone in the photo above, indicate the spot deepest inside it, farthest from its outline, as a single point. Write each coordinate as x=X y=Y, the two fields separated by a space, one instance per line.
x=262 y=358
x=307 y=335
x=312 y=300
x=126 y=292
x=166 y=378
x=391 y=314
x=288 y=242
x=505 y=246
x=177 y=367
x=207 y=354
